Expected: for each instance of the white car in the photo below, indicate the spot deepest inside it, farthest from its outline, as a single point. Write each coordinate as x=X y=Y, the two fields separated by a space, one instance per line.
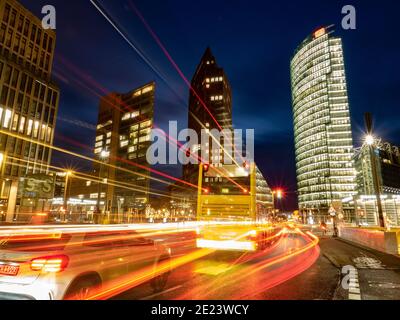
x=73 y=264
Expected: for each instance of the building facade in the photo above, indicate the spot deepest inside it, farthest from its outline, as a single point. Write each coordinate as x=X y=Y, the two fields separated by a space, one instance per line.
x=387 y=158
x=322 y=126
x=28 y=105
x=210 y=106
x=123 y=137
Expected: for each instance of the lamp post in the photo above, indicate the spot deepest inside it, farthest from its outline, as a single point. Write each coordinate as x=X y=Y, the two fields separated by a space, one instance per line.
x=103 y=155
x=65 y=206
x=1 y=179
x=370 y=141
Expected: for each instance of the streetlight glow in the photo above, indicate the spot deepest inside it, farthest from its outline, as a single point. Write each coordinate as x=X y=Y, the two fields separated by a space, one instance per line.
x=369 y=140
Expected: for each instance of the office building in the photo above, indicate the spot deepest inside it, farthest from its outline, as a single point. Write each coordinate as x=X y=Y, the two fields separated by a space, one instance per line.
x=123 y=136
x=28 y=108
x=210 y=107
x=387 y=158
x=322 y=126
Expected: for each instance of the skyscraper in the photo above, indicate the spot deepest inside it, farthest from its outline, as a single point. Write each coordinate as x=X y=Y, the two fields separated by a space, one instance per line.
x=210 y=104
x=28 y=103
x=322 y=126
x=122 y=139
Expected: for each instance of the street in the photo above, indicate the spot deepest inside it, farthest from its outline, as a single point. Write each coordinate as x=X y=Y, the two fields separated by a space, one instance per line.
x=312 y=275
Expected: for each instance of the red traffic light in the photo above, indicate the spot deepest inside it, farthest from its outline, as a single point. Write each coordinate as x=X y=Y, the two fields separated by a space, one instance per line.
x=279 y=193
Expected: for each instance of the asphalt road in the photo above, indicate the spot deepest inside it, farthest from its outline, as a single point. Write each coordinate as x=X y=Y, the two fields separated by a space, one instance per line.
x=293 y=269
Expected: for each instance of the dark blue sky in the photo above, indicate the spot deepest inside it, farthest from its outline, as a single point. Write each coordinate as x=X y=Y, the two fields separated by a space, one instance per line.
x=253 y=42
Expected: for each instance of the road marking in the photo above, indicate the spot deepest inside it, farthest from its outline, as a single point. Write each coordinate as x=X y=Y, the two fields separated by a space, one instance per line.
x=354 y=287
x=366 y=262
x=354 y=296
x=161 y=293
x=215 y=270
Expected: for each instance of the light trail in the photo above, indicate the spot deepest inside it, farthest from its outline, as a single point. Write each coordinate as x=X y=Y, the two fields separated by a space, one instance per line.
x=86 y=157
x=114 y=25
x=187 y=82
x=166 y=137
x=241 y=275
x=134 y=279
x=116 y=28
x=96 y=179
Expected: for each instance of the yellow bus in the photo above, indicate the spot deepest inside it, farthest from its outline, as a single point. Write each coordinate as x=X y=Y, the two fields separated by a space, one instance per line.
x=231 y=216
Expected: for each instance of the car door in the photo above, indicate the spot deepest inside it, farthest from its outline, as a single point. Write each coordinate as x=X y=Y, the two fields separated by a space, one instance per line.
x=109 y=254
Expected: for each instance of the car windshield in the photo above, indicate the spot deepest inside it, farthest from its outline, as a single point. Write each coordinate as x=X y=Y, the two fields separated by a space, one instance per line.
x=34 y=243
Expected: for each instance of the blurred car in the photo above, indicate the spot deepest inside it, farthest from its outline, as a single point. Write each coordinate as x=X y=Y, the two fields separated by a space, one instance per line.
x=75 y=265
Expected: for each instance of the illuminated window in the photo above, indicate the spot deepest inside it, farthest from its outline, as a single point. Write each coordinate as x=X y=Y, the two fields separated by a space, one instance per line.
x=108 y=134
x=88 y=183
x=43 y=132
x=108 y=141
x=147 y=89
x=126 y=116
x=15 y=122
x=99 y=144
x=7 y=119
x=98 y=138
x=124 y=143
x=132 y=149
x=22 y=125
x=146 y=124
x=49 y=134
x=144 y=139
x=94 y=195
x=36 y=129
x=30 y=125
x=134 y=114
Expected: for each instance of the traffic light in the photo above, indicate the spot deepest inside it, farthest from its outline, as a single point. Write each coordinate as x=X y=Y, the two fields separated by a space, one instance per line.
x=206 y=167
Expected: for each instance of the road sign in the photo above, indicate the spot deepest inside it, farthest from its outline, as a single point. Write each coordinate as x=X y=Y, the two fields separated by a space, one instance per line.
x=39 y=186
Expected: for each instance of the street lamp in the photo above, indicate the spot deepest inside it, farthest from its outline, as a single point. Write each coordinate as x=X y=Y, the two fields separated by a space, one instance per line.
x=67 y=175
x=370 y=141
x=103 y=156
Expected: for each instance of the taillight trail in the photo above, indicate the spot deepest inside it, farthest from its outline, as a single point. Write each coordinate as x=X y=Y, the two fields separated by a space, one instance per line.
x=50 y=264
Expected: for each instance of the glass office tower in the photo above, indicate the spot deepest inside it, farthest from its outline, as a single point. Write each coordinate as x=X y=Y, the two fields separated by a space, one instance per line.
x=322 y=127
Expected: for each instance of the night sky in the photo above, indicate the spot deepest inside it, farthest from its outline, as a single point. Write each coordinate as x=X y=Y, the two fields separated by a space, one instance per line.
x=253 y=42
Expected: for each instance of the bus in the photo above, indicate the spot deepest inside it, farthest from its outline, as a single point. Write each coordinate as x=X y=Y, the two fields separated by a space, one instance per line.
x=233 y=209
